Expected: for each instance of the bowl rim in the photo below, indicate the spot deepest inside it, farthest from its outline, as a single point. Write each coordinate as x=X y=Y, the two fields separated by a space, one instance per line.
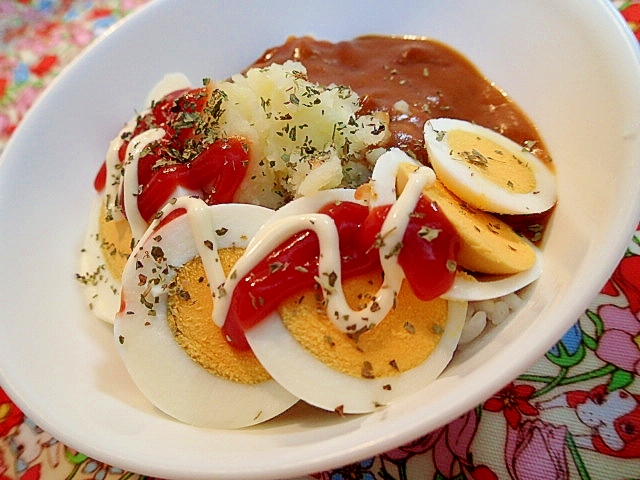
x=299 y=465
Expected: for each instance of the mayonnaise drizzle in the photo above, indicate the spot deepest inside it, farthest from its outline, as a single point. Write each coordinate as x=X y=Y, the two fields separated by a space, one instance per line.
x=128 y=173
x=131 y=185
x=114 y=172
x=130 y=179
x=329 y=277
x=205 y=241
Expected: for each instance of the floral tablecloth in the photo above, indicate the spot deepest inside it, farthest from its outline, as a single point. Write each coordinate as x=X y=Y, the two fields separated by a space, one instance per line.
x=575 y=413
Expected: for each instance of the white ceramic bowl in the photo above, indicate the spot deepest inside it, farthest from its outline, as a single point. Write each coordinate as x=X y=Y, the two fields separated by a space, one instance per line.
x=571 y=65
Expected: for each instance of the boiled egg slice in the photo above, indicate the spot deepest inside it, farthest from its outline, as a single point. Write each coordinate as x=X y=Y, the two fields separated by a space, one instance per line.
x=107 y=242
x=487 y=170
x=316 y=361
x=496 y=260
x=100 y=287
x=163 y=329
x=331 y=371
x=471 y=288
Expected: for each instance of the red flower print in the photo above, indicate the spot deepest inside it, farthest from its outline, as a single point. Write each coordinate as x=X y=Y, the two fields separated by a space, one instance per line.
x=625 y=280
x=632 y=15
x=4 y=83
x=45 y=29
x=45 y=65
x=32 y=473
x=482 y=472
x=319 y=476
x=3 y=467
x=513 y=400
x=10 y=415
x=99 y=13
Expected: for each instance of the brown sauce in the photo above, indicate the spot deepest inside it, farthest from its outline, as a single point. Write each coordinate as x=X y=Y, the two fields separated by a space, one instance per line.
x=433 y=79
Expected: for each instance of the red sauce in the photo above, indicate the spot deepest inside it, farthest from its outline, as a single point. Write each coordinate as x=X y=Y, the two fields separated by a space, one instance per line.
x=172 y=215
x=215 y=174
x=429 y=78
x=101 y=178
x=293 y=266
x=434 y=81
x=213 y=171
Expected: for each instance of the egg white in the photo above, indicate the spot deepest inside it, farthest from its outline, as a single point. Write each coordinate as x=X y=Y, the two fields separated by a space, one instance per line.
x=488 y=287
x=313 y=381
x=161 y=369
x=458 y=176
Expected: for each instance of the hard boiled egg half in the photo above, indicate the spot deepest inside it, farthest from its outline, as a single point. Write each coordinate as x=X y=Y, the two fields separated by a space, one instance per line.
x=304 y=350
x=164 y=332
x=487 y=170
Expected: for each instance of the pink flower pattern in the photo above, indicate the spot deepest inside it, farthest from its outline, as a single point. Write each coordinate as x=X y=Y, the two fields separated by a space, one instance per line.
x=537 y=450
x=450 y=444
x=620 y=342
x=37 y=38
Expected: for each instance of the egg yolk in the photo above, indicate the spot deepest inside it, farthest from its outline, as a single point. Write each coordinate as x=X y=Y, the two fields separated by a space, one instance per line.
x=487 y=244
x=189 y=309
x=403 y=340
x=115 y=243
x=488 y=159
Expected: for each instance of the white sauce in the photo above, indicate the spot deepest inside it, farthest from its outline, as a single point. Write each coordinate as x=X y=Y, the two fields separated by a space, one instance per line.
x=330 y=278
x=128 y=173
x=204 y=242
x=277 y=231
x=130 y=179
x=114 y=172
